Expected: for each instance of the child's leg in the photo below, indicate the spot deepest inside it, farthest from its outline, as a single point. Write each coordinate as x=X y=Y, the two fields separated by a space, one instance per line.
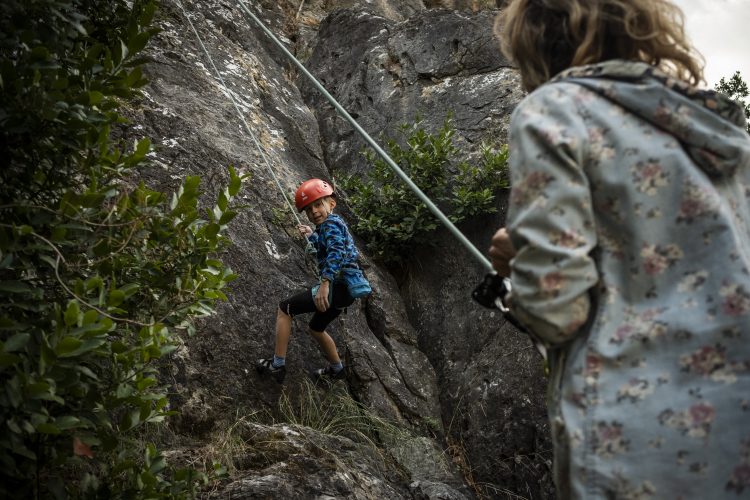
x=300 y=303
x=318 y=324
x=327 y=345
x=283 y=332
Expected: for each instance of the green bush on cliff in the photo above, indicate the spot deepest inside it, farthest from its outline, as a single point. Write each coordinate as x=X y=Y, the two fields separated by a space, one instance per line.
x=390 y=217
x=98 y=274
x=736 y=88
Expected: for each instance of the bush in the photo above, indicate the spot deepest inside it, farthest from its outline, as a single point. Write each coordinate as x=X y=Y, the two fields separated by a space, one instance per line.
x=97 y=273
x=391 y=218
x=736 y=88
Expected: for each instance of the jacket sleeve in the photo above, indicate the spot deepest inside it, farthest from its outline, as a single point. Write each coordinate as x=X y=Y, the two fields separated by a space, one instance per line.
x=550 y=219
x=334 y=239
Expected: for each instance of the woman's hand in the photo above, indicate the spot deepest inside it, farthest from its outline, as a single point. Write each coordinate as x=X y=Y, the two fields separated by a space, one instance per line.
x=304 y=230
x=501 y=252
x=321 y=298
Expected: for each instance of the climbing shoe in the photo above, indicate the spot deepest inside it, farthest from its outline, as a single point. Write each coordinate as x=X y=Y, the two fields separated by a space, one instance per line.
x=328 y=373
x=265 y=367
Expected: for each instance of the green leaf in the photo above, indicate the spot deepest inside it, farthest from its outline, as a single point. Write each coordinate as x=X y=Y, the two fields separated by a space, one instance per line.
x=216 y=214
x=157 y=465
x=49 y=260
x=116 y=297
x=118 y=347
x=84 y=347
x=131 y=419
x=227 y=216
x=134 y=77
x=67 y=346
x=211 y=230
x=92 y=200
x=142 y=147
x=81 y=331
x=90 y=317
x=235 y=182
x=223 y=200
x=39 y=53
x=95 y=97
x=87 y=371
x=7 y=360
x=166 y=349
x=71 y=313
x=137 y=43
x=47 y=428
x=93 y=283
x=129 y=289
x=67 y=422
x=39 y=390
x=13 y=389
x=145 y=383
x=16 y=342
x=13 y=426
x=124 y=391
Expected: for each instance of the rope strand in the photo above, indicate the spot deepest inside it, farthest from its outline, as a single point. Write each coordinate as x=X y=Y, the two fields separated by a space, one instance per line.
x=430 y=205
x=244 y=122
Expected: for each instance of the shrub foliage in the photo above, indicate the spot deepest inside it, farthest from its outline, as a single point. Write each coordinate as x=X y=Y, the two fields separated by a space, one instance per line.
x=98 y=273
x=736 y=88
x=391 y=218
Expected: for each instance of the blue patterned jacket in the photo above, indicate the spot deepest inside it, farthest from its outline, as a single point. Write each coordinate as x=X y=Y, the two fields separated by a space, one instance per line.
x=335 y=247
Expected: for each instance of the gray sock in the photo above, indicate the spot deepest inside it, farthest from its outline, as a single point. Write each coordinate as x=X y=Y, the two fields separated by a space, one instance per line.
x=278 y=362
x=337 y=367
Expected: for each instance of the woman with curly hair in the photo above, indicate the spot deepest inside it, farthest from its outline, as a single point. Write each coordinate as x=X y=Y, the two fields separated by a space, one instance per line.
x=628 y=245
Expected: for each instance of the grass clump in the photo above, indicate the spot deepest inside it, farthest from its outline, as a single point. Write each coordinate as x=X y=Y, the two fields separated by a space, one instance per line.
x=336 y=414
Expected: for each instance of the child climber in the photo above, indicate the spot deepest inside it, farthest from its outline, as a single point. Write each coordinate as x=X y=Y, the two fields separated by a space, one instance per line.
x=337 y=259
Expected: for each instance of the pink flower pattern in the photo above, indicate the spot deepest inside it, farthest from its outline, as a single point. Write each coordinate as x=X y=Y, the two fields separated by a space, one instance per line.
x=659 y=258
x=531 y=188
x=642 y=327
x=608 y=439
x=649 y=176
x=696 y=202
x=694 y=422
x=736 y=300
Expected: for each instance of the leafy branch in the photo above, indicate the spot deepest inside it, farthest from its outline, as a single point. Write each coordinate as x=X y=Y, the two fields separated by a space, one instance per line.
x=391 y=218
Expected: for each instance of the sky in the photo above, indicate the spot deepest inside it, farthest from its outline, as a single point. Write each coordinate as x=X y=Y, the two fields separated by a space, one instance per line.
x=720 y=30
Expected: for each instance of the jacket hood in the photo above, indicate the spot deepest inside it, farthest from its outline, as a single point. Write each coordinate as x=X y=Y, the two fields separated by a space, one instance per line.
x=710 y=126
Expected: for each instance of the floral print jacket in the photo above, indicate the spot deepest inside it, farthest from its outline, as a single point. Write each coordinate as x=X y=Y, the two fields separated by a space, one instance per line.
x=630 y=214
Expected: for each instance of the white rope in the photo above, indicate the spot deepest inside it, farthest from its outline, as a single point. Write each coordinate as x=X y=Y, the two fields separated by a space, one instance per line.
x=242 y=118
x=473 y=250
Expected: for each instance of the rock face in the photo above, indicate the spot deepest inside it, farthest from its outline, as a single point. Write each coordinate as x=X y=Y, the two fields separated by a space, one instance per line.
x=385 y=73
x=332 y=467
x=466 y=387
x=442 y=62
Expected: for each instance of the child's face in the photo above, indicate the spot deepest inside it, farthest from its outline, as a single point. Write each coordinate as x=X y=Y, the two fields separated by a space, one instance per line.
x=319 y=210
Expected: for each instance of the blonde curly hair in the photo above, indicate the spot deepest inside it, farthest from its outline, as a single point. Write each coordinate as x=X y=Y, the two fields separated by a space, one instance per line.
x=544 y=37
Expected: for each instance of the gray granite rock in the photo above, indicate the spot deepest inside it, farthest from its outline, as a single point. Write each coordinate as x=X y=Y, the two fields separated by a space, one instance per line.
x=419 y=352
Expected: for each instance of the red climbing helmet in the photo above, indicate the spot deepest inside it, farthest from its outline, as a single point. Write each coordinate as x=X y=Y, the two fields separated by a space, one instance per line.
x=311 y=190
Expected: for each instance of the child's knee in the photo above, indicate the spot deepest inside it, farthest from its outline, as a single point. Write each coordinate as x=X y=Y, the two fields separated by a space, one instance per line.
x=315 y=334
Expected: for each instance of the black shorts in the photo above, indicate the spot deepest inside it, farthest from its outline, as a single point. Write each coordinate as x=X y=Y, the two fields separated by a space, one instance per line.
x=302 y=303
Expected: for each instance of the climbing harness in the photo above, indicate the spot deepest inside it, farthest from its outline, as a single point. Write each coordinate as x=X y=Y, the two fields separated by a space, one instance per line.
x=494 y=288
x=309 y=248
